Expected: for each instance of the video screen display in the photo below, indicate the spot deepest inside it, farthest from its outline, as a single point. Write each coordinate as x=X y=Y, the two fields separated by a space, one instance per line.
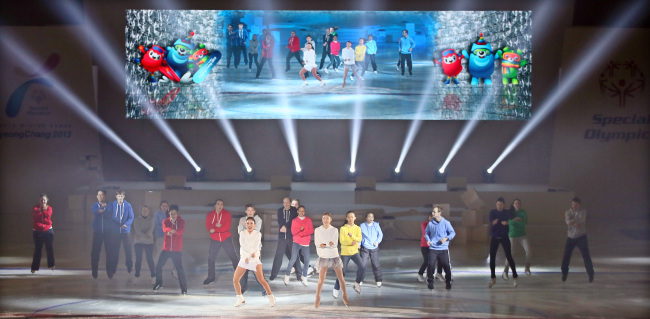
x=393 y=65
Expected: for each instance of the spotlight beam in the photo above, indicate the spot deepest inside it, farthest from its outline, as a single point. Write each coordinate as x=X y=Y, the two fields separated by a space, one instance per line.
x=110 y=57
x=79 y=107
x=605 y=43
x=289 y=130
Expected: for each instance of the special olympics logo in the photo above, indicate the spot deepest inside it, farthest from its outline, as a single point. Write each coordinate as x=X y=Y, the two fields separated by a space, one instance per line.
x=16 y=99
x=622 y=80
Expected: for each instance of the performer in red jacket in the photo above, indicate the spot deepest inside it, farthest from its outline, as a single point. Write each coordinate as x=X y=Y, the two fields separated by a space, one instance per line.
x=294 y=50
x=218 y=222
x=42 y=233
x=302 y=228
x=174 y=227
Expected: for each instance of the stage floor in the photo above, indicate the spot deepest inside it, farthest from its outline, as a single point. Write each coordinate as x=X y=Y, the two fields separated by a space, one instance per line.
x=620 y=288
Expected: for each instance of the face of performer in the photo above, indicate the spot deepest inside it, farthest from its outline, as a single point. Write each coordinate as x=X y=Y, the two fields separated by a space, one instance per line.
x=350 y=217
x=516 y=204
x=327 y=31
x=308 y=46
x=230 y=27
x=301 y=212
x=369 y=38
x=241 y=26
x=250 y=225
x=218 y=206
x=254 y=36
x=370 y=217
x=575 y=205
x=437 y=214
x=405 y=33
x=120 y=198
x=173 y=214
x=250 y=211
x=308 y=39
x=295 y=203
x=164 y=207
x=268 y=37
x=348 y=45
x=286 y=202
x=326 y=221
x=361 y=41
x=293 y=34
x=500 y=205
x=43 y=201
x=144 y=212
x=336 y=39
x=101 y=196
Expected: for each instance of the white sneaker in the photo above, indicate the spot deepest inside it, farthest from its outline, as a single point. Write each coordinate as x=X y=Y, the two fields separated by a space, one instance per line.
x=439 y=277
x=504 y=275
x=272 y=300
x=361 y=77
x=357 y=287
x=304 y=83
x=351 y=78
x=304 y=281
x=337 y=70
x=240 y=301
x=515 y=282
x=335 y=293
x=492 y=282
x=397 y=68
x=527 y=271
x=322 y=83
x=286 y=280
x=420 y=278
x=293 y=270
x=379 y=284
x=310 y=271
x=326 y=72
x=375 y=72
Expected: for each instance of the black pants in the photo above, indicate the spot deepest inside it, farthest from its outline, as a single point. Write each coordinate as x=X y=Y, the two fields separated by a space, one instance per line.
x=442 y=258
x=250 y=61
x=261 y=65
x=100 y=239
x=177 y=259
x=40 y=238
x=494 y=246
x=229 y=50
x=370 y=58
x=228 y=247
x=361 y=270
x=583 y=245
x=372 y=256
x=406 y=57
x=148 y=252
x=291 y=55
x=124 y=240
x=239 y=51
x=324 y=55
x=284 y=248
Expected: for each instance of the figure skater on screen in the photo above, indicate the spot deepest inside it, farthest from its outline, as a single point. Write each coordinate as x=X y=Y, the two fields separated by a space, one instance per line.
x=309 y=65
x=348 y=62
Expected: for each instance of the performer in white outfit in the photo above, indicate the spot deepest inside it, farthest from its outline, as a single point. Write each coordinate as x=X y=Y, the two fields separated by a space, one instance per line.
x=326 y=239
x=349 y=62
x=309 y=64
x=249 y=242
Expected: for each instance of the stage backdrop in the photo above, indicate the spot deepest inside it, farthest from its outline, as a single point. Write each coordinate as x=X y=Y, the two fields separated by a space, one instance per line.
x=184 y=64
x=602 y=137
x=45 y=147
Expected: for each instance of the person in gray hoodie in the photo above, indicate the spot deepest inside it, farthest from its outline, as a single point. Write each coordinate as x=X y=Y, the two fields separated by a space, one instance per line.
x=143 y=240
x=438 y=234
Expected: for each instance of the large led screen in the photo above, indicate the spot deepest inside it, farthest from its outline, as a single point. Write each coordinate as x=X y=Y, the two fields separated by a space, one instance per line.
x=439 y=65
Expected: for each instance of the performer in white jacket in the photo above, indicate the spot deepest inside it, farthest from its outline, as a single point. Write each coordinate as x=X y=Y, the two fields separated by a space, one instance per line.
x=249 y=242
x=309 y=64
x=326 y=239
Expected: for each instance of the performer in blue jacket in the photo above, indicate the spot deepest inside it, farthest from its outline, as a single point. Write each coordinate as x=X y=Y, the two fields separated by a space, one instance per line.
x=438 y=234
x=372 y=236
x=123 y=215
x=103 y=233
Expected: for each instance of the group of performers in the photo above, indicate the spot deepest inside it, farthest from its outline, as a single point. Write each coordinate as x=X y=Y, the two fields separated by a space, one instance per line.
x=162 y=235
x=357 y=59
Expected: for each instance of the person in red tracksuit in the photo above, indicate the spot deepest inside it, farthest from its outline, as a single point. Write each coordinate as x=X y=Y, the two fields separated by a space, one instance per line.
x=42 y=233
x=302 y=228
x=218 y=222
x=294 y=50
x=174 y=227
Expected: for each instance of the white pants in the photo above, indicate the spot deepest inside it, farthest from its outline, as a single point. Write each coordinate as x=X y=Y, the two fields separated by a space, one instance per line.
x=523 y=241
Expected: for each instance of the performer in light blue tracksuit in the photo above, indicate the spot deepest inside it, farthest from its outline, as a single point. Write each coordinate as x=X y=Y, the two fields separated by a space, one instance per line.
x=369 y=249
x=406 y=45
x=438 y=234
